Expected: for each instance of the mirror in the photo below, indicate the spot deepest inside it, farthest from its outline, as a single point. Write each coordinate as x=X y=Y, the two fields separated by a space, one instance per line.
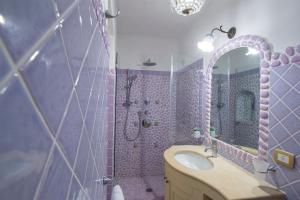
x=235 y=99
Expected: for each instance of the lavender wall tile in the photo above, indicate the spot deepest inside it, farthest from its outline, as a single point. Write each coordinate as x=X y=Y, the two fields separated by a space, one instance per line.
x=296 y=188
x=49 y=79
x=292 y=99
x=25 y=22
x=83 y=89
x=90 y=185
x=22 y=160
x=82 y=157
x=274 y=78
x=297 y=137
x=279 y=133
x=272 y=120
x=91 y=113
x=292 y=194
x=291 y=123
x=281 y=88
x=62 y=5
x=85 y=11
x=291 y=146
x=76 y=192
x=49 y=83
x=59 y=176
x=72 y=36
x=280 y=110
x=188 y=100
x=292 y=75
x=297 y=112
x=4 y=66
x=297 y=87
x=71 y=130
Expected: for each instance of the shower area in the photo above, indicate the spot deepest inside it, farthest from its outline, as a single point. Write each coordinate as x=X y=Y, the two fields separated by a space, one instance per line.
x=155 y=109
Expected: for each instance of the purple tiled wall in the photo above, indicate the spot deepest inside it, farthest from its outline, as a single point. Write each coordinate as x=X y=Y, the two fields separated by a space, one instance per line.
x=143 y=156
x=285 y=125
x=55 y=96
x=188 y=101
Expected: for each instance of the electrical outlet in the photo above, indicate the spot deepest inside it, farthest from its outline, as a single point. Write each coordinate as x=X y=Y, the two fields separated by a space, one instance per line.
x=284 y=158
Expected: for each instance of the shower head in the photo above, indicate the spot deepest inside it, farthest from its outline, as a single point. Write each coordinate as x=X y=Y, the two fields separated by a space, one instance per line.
x=149 y=63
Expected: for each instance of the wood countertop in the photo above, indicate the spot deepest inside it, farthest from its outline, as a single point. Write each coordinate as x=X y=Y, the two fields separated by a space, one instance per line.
x=226 y=178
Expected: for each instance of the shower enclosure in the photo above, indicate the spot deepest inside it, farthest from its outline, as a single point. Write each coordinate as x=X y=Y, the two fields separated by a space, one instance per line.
x=155 y=109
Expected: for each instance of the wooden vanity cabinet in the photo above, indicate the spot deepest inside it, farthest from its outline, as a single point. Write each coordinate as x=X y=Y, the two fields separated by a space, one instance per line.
x=181 y=187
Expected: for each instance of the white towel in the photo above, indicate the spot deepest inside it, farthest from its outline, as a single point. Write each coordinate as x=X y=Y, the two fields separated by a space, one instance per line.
x=117 y=193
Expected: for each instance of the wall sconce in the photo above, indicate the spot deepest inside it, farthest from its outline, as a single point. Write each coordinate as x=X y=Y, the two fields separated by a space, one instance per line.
x=207 y=44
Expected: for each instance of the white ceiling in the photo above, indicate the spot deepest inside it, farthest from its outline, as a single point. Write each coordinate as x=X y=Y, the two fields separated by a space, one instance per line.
x=151 y=17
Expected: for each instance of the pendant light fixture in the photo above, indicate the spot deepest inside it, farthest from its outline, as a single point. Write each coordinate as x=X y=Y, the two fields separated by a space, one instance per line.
x=187 y=7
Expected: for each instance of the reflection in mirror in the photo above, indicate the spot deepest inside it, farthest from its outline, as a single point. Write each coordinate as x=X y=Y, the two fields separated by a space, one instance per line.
x=235 y=99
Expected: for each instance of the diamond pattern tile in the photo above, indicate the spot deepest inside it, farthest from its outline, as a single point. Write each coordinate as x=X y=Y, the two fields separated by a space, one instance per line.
x=272 y=120
x=280 y=70
x=274 y=79
x=274 y=100
x=296 y=187
x=297 y=87
x=281 y=88
x=292 y=99
x=297 y=137
x=292 y=75
x=292 y=192
x=280 y=110
x=297 y=112
x=291 y=123
x=272 y=142
x=279 y=133
x=286 y=135
x=291 y=146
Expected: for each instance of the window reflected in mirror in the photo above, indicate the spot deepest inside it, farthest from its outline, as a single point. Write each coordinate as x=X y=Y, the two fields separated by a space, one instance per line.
x=235 y=99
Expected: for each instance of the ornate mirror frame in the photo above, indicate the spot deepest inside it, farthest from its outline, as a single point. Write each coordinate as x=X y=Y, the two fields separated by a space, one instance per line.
x=265 y=49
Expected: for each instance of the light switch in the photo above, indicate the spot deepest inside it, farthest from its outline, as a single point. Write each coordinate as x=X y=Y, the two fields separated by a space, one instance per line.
x=284 y=158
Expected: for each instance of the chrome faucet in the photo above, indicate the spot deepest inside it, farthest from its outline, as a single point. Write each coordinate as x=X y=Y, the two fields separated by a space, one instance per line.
x=213 y=147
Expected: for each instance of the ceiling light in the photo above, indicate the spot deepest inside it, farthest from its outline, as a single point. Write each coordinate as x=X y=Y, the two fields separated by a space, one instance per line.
x=207 y=44
x=252 y=51
x=187 y=7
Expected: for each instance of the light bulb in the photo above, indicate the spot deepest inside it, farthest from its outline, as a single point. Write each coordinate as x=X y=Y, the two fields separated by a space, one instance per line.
x=252 y=51
x=207 y=44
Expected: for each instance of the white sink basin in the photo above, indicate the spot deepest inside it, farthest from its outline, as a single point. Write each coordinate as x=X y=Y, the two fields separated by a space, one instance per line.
x=193 y=160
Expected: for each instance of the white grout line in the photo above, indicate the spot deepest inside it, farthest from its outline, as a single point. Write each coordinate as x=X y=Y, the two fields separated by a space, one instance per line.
x=37 y=45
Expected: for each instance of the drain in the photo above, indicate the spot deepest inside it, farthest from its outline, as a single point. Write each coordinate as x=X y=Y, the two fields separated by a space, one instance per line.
x=149 y=190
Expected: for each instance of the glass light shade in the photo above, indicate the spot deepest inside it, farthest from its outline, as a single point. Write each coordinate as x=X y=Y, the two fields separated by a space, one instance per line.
x=207 y=44
x=187 y=7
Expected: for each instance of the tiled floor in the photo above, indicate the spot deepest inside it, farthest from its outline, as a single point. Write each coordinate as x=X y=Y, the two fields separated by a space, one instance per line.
x=134 y=188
